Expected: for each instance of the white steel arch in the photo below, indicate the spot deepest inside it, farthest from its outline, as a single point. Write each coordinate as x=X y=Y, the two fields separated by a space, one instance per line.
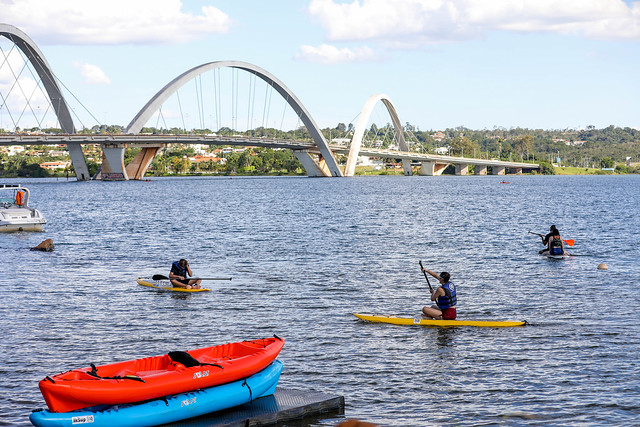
x=37 y=59
x=358 y=134
x=159 y=98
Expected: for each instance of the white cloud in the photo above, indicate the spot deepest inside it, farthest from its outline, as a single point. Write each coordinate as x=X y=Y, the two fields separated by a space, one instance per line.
x=112 y=22
x=438 y=21
x=92 y=74
x=327 y=54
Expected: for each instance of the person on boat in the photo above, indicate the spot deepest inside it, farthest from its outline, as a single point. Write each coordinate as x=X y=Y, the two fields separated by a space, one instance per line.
x=555 y=245
x=180 y=273
x=444 y=296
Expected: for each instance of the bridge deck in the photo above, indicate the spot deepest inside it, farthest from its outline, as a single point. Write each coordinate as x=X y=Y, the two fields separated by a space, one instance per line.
x=138 y=140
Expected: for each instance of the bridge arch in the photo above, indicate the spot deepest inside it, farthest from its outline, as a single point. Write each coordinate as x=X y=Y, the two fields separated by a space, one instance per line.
x=326 y=166
x=39 y=63
x=360 y=129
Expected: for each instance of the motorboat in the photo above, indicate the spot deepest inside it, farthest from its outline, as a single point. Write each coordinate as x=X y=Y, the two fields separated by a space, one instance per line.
x=15 y=213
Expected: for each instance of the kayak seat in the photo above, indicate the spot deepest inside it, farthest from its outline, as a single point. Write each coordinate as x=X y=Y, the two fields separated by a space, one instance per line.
x=184 y=358
x=188 y=360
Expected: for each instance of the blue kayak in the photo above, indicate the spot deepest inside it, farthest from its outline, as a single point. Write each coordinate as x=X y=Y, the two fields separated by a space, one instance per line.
x=172 y=408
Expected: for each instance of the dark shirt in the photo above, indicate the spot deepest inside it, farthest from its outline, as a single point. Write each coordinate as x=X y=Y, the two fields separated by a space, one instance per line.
x=179 y=271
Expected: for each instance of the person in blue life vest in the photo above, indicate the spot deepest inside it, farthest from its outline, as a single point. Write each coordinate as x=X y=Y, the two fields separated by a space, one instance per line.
x=180 y=273
x=444 y=296
x=553 y=242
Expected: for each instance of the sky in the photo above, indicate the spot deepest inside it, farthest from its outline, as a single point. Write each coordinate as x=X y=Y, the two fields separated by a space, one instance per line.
x=481 y=64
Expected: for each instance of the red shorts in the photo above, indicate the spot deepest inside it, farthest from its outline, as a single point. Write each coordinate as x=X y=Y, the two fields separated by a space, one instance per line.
x=449 y=313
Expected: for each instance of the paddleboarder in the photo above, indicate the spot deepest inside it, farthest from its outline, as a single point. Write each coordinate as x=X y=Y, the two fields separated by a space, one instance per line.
x=180 y=273
x=553 y=241
x=444 y=296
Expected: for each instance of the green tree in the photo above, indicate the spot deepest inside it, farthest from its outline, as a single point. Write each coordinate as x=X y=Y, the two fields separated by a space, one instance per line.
x=607 y=162
x=244 y=159
x=523 y=144
x=292 y=164
x=180 y=165
x=461 y=145
x=547 y=169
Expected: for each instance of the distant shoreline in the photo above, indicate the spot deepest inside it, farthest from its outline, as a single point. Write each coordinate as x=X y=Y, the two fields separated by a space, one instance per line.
x=360 y=171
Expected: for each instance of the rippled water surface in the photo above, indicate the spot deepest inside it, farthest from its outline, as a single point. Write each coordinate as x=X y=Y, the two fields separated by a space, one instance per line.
x=306 y=253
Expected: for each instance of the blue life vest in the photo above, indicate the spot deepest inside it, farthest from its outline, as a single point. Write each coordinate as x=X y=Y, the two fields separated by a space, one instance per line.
x=555 y=246
x=179 y=271
x=449 y=299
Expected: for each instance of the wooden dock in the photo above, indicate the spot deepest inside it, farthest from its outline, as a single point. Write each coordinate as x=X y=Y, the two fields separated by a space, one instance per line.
x=282 y=406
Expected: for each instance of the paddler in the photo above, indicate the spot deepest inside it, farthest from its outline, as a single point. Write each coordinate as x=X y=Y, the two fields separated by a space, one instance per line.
x=553 y=241
x=180 y=273
x=444 y=297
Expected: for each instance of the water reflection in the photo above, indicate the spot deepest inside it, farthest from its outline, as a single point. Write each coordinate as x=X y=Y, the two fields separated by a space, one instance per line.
x=445 y=336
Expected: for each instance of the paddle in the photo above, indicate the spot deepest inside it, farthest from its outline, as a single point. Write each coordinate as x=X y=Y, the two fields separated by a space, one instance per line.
x=425 y=275
x=161 y=277
x=569 y=242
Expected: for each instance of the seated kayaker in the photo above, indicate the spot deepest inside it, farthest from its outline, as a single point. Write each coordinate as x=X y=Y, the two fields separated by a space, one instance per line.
x=444 y=296
x=180 y=273
x=555 y=245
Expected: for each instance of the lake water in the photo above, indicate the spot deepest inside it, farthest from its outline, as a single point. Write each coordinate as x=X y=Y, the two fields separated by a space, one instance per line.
x=306 y=253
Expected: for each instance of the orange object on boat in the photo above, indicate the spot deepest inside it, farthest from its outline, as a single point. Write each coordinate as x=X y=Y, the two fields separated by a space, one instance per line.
x=152 y=377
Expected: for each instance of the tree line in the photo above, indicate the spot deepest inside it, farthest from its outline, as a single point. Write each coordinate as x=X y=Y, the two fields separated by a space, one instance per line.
x=589 y=148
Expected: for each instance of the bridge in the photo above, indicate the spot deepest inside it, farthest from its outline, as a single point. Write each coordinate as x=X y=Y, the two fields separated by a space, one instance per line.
x=317 y=156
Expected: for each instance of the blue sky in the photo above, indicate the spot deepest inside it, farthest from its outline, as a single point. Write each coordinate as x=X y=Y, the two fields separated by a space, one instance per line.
x=550 y=64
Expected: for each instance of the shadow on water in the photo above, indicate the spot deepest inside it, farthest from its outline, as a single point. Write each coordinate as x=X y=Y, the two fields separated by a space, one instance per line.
x=445 y=336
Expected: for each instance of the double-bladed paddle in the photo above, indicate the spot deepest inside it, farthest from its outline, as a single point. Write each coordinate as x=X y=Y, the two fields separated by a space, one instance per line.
x=161 y=277
x=569 y=242
x=425 y=275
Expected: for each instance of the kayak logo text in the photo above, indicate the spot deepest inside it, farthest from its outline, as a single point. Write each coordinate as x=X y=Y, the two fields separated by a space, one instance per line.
x=188 y=402
x=84 y=419
x=200 y=374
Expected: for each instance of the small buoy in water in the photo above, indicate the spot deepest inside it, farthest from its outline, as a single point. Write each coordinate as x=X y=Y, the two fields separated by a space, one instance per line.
x=602 y=266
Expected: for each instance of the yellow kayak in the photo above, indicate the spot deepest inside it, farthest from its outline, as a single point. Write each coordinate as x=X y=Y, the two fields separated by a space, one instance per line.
x=397 y=320
x=165 y=285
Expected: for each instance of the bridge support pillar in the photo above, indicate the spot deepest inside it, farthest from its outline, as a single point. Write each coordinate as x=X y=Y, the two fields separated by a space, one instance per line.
x=432 y=168
x=462 y=169
x=497 y=170
x=138 y=166
x=78 y=161
x=516 y=171
x=312 y=167
x=480 y=169
x=113 y=163
x=406 y=166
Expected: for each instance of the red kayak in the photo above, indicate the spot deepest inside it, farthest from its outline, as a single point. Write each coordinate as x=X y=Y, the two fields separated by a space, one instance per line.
x=158 y=376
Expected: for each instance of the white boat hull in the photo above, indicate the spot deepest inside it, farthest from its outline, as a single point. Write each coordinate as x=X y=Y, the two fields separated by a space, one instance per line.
x=8 y=228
